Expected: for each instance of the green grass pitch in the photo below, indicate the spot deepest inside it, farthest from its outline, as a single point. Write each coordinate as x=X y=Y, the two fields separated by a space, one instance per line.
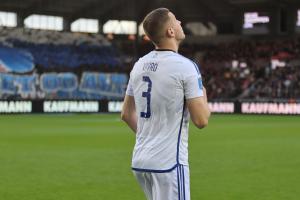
x=87 y=157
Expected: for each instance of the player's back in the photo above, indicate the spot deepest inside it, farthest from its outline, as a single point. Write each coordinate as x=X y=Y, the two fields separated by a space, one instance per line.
x=157 y=85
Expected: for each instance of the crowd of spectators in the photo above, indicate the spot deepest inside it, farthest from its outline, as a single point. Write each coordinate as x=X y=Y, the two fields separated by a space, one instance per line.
x=249 y=69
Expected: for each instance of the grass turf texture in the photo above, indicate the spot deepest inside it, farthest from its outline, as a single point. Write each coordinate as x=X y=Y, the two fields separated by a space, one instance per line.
x=87 y=157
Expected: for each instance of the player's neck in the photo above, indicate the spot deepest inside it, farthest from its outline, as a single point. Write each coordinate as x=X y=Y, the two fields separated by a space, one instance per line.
x=168 y=45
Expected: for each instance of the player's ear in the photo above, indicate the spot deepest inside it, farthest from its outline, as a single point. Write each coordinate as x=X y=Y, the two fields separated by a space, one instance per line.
x=170 y=32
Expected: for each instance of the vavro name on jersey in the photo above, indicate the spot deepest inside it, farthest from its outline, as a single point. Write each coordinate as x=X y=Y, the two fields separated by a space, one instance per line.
x=150 y=66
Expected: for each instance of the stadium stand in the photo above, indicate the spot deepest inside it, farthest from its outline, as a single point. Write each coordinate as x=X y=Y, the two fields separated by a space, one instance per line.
x=250 y=69
x=52 y=49
x=243 y=69
x=39 y=64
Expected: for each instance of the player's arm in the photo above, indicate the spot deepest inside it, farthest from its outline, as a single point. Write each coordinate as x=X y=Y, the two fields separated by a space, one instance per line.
x=196 y=99
x=199 y=110
x=128 y=113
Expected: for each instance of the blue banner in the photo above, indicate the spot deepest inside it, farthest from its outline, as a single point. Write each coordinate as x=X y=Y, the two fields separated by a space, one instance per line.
x=15 y=60
x=68 y=85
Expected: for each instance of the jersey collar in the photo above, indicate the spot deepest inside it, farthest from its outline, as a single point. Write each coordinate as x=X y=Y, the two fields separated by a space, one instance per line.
x=164 y=50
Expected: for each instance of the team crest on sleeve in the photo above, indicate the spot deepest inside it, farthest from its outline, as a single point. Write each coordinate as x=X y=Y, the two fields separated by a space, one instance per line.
x=200 y=83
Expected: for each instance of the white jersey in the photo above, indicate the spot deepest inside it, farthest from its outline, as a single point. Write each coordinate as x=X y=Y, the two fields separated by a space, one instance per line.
x=160 y=82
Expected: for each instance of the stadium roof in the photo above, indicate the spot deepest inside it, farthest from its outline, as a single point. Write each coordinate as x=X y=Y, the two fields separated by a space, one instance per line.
x=186 y=10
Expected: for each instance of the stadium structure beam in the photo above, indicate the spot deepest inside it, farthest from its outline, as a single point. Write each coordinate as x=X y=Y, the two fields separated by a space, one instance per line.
x=20 y=20
x=100 y=25
x=81 y=12
x=66 y=24
x=98 y=9
x=112 y=10
x=35 y=7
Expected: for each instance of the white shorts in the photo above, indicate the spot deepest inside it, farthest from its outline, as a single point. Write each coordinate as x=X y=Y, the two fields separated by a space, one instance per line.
x=173 y=185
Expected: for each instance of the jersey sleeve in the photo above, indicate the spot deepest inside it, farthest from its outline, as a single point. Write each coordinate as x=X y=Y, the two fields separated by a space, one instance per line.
x=192 y=83
x=129 y=90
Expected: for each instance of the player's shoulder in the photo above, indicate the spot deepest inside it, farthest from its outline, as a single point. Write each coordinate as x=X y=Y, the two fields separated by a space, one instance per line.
x=142 y=59
x=139 y=62
x=183 y=59
x=186 y=64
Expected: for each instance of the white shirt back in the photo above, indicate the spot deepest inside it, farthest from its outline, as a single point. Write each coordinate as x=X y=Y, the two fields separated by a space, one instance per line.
x=160 y=82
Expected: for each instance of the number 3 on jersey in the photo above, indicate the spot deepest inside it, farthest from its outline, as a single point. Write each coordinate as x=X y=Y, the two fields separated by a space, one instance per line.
x=147 y=95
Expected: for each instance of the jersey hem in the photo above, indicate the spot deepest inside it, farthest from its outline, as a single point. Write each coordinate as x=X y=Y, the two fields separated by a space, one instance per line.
x=155 y=170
